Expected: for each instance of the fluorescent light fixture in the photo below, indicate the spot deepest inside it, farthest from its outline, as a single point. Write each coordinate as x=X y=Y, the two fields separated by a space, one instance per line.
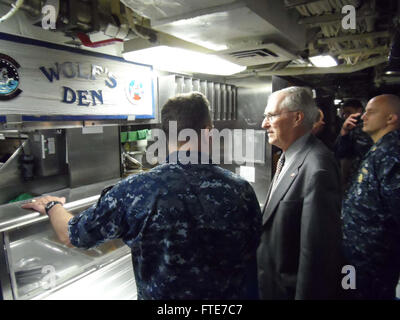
x=182 y=60
x=392 y=72
x=324 y=61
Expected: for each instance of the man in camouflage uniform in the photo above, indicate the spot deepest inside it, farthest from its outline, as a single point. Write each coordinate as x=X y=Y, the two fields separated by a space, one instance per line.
x=371 y=208
x=193 y=228
x=352 y=143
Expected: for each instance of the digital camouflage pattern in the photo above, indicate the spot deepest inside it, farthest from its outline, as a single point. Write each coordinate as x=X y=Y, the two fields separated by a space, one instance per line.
x=193 y=230
x=371 y=220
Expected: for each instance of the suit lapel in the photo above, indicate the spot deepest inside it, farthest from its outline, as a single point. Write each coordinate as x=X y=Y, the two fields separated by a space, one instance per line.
x=285 y=182
x=267 y=197
x=280 y=191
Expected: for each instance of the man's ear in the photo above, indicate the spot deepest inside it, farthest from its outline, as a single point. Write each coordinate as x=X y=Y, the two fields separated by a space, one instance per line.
x=393 y=119
x=299 y=118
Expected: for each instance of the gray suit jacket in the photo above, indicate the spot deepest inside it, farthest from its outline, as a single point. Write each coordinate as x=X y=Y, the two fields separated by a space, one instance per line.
x=299 y=256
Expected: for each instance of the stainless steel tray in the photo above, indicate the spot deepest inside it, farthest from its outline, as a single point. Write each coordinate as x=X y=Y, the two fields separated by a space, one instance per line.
x=33 y=258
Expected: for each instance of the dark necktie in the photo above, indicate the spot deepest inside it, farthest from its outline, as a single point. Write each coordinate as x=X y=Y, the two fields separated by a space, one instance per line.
x=279 y=167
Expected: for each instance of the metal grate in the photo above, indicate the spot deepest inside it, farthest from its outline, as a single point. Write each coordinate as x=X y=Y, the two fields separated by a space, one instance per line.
x=253 y=53
x=222 y=97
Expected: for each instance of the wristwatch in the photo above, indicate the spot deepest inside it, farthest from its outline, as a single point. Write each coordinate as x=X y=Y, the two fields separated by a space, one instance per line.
x=50 y=205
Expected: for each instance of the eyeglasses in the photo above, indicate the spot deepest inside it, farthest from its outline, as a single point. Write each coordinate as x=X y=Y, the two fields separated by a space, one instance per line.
x=273 y=116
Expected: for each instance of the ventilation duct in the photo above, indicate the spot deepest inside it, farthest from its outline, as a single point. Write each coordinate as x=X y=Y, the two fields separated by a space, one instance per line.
x=257 y=55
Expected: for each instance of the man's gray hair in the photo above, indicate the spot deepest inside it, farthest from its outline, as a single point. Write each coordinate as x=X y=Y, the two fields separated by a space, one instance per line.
x=300 y=99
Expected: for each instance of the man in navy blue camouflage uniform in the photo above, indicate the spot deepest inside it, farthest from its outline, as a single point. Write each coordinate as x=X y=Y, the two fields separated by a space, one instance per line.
x=371 y=208
x=193 y=228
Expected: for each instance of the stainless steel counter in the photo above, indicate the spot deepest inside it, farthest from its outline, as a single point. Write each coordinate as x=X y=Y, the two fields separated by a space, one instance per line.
x=31 y=246
x=113 y=282
x=12 y=215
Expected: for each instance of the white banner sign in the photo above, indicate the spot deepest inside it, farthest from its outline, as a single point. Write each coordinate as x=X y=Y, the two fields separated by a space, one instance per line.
x=51 y=80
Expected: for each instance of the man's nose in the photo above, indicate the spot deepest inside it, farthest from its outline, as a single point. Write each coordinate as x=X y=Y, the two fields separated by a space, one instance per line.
x=265 y=123
x=363 y=116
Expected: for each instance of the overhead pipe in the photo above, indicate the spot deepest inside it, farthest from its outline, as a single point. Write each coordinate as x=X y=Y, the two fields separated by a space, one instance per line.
x=339 y=69
x=312 y=70
x=88 y=43
x=13 y=10
x=25 y=7
x=362 y=36
x=297 y=3
x=132 y=26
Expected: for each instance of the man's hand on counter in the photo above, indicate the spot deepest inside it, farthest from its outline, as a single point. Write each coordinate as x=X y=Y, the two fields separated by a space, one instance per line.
x=58 y=215
x=39 y=204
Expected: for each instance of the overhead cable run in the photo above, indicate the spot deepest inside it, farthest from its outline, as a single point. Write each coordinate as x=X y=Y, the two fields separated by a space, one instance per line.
x=14 y=9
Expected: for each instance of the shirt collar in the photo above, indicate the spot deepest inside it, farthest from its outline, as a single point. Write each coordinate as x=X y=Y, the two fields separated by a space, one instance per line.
x=390 y=135
x=188 y=157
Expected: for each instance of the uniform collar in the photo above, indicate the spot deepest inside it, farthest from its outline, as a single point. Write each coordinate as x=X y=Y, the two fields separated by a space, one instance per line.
x=187 y=157
x=387 y=138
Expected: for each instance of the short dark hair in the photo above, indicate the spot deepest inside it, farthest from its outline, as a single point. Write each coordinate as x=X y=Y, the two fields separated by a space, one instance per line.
x=190 y=111
x=354 y=103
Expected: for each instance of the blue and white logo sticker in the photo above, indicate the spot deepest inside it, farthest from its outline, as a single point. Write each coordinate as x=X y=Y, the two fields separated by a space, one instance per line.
x=135 y=91
x=9 y=78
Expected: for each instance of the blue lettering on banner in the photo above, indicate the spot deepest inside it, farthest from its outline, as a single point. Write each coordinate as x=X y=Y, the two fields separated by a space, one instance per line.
x=72 y=70
x=70 y=95
x=112 y=79
x=68 y=70
x=98 y=95
x=80 y=75
x=95 y=71
x=82 y=96
x=52 y=74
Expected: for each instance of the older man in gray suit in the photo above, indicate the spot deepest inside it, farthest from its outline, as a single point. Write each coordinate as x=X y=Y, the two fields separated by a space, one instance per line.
x=299 y=254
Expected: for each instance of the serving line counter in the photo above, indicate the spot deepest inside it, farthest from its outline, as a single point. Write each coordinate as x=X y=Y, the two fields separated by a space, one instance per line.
x=34 y=264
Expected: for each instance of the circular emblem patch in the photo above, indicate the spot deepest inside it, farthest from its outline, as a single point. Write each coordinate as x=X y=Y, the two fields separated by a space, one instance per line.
x=9 y=78
x=135 y=91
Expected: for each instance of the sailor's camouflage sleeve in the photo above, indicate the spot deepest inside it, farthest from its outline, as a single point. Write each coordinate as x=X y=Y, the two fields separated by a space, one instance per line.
x=102 y=221
x=390 y=186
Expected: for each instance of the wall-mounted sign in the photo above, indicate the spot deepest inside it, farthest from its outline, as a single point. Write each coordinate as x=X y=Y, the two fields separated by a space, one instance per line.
x=9 y=78
x=54 y=80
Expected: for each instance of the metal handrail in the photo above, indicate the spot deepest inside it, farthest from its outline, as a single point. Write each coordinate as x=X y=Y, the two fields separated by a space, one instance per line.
x=35 y=217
